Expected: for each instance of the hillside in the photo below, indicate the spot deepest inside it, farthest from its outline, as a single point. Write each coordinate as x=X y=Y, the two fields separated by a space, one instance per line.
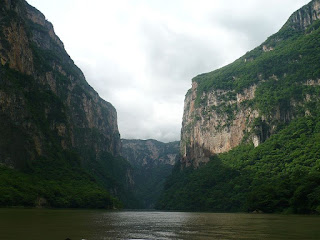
x=59 y=141
x=249 y=133
x=248 y=100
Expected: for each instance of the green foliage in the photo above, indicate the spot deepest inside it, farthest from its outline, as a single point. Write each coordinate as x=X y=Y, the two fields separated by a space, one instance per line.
x=61 y=185
x=295 y=59
x=281 y=175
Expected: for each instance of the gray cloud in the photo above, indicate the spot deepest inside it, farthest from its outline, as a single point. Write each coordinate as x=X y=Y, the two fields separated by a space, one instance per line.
x=177 y=56
x=141 y=55
x=254 y=20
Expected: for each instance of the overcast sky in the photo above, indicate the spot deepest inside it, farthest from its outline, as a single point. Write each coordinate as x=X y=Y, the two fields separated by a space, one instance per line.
x=141 y=55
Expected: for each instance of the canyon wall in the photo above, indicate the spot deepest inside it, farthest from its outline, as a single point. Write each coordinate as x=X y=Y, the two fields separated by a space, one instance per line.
x=238 y=103
x=51 y=119
x=52 y=88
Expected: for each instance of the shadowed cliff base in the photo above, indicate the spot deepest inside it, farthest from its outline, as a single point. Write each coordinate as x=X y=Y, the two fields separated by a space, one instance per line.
x=152 y=163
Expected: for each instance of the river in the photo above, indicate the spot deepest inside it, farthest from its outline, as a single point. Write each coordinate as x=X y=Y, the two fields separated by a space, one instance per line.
x=44 y=224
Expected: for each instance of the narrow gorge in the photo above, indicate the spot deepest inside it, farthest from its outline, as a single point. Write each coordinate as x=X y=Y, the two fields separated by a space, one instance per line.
x=152 y=162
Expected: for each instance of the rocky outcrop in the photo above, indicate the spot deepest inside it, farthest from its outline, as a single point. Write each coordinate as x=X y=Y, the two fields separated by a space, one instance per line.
x=216 y=125
x=305 y=16
x=222 y=109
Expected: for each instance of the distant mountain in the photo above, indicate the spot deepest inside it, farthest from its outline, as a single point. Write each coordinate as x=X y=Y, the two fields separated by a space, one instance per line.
x=59 y=141
x=250 y=130
x=149 y=153
x=152 y=162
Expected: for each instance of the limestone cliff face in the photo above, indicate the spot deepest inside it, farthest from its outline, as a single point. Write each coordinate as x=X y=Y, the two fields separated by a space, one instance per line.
x=305 y=16
x=227 y=107
x=43 y=93
x=214 y=126
x=149 y=153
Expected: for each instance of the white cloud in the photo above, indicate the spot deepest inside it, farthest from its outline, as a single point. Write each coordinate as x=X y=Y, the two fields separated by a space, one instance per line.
x=141 y=55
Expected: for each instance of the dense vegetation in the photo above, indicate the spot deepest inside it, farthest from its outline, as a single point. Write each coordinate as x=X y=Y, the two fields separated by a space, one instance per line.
x=55 y=186
x=281 y=175
x=292 y=57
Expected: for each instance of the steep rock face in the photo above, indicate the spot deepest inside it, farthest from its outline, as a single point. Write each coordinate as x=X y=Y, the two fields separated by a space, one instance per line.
x=49 y=114
x=74 y=111
x=235 y=104
x=149 y=153
x=305 y=16
x=212 y=127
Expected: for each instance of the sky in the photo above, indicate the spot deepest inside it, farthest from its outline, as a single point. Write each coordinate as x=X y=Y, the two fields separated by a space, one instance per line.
x=141 y=55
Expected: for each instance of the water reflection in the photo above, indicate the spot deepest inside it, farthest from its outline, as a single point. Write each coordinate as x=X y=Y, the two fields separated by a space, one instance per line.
x=35 y=224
